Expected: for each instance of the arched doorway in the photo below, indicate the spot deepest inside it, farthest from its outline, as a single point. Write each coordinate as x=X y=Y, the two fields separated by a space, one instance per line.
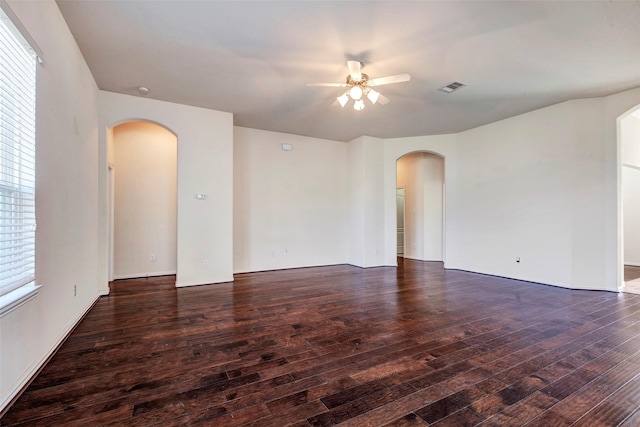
x=142 y=188
x=629 y=190
x=420 y=180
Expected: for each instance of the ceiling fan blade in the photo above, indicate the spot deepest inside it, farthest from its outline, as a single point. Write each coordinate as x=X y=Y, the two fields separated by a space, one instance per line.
x=398 y=78
x=355 y=70
x=383 y=100
x=328 y=84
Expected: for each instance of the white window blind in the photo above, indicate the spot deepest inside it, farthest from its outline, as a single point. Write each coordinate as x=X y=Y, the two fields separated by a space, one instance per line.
x=17 y=159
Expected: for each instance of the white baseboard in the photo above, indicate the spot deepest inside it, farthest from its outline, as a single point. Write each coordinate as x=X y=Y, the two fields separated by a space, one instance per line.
x=425 y=260
x=35 y=367
x=143 y=275
x=213 y=282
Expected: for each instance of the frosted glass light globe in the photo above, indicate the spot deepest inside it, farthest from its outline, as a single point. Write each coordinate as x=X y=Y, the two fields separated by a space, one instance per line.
x=355 y=92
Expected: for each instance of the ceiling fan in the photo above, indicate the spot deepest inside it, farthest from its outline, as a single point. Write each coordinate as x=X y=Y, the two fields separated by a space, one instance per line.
x=359 y=85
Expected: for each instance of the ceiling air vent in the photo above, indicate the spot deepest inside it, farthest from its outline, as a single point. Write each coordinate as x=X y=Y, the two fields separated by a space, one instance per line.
x=452 y=87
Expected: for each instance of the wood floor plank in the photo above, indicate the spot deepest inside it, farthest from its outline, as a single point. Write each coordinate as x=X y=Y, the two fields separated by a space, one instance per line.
x=522 y=411
x=632 y=421
x=415 y=345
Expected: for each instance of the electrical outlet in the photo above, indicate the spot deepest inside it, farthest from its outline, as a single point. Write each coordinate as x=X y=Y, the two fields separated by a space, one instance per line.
x=153 y=258
x=75 y=290
x=205 y=263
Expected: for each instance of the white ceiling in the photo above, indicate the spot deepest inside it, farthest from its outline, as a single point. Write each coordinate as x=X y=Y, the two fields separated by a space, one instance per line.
x=254 y=58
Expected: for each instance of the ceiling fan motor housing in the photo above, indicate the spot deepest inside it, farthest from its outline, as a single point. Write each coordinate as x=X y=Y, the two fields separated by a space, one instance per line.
x=362 y=82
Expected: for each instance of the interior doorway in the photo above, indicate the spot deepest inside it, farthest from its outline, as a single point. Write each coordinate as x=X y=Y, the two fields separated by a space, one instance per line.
x=629 y=129
x=421 y=177
x=143 y=200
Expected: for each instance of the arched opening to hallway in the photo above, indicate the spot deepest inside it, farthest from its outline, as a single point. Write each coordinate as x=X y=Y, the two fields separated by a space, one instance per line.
x=420 y=198
x=142 y=189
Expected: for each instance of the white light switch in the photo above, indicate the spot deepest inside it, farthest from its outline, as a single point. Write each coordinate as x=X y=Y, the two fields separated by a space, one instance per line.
x=287 y=147
x=201 y=196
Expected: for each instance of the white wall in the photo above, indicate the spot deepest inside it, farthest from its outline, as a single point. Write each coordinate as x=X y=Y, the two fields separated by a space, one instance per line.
x=422 y=176
x=66 y=201
x=630 y=133
x=145 y=168
x=433 y=209
x=290 y=207
x=205 y=165
x=356 y=235
x=514 y=193
x=366 y=203
x=631 y=198
x=107 y=211
x=532 y=188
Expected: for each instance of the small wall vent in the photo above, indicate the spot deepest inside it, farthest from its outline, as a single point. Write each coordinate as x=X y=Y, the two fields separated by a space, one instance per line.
x=452 y=87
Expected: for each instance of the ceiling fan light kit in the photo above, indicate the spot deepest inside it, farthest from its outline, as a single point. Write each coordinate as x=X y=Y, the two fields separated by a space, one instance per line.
x=373 y=96
x=343 y=99
x=358 y=85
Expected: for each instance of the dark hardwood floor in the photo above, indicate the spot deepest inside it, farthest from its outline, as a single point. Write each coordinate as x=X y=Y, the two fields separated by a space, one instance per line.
x=412 y=346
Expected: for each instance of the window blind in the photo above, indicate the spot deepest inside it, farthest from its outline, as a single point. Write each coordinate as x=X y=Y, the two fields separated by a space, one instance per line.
x=17 y=160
